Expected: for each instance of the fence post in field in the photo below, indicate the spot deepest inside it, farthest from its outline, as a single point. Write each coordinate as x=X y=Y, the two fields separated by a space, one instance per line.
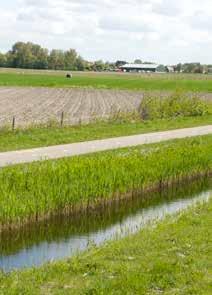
x=62 y=119
x=13 y=123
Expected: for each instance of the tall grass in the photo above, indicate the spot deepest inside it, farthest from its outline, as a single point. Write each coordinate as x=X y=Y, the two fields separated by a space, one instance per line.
x=34 y=190
x=176 y=104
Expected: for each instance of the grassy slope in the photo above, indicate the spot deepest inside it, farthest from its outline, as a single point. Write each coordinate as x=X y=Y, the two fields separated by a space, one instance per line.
x=37 y=137
x=40 y=188
x=173 y=258
x=130 y=82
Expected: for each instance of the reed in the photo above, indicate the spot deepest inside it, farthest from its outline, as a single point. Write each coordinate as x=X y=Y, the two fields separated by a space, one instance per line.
x=28 y=192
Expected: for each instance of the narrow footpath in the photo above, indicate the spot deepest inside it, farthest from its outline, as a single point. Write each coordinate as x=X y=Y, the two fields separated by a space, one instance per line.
x=74 y=149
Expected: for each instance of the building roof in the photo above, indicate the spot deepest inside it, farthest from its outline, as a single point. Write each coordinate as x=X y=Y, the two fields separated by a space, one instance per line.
x=139 y=66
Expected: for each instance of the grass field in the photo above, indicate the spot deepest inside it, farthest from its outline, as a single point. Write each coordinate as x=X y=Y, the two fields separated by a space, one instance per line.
x=108 y=81
x=55 y=135
x=172 y=258
x=35 y=190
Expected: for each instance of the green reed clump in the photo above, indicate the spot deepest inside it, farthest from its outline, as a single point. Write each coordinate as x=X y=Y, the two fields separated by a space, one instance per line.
x=33 y=190
x=176 y=104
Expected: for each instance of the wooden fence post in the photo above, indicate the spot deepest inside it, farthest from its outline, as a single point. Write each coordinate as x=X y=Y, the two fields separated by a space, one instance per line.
x=13 y=123
x=62 y=119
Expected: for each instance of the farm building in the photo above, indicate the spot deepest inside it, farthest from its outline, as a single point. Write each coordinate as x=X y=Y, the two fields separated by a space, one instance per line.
x=141 y=68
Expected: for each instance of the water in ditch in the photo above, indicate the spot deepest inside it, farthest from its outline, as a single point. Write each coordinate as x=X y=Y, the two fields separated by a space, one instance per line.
x=65 y=236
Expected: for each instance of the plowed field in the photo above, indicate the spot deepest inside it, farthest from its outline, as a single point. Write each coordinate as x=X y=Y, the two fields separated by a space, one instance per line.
x=40 y=105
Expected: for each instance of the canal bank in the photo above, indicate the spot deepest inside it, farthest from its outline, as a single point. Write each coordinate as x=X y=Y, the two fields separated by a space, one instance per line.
x=65 y=236
x=172 y=257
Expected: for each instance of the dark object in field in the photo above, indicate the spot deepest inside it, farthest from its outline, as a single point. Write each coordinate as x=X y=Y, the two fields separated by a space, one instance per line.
x=69 y=76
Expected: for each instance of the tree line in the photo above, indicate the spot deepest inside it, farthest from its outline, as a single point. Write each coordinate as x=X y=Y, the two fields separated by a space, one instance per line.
x=33 y=56
x=195 y=68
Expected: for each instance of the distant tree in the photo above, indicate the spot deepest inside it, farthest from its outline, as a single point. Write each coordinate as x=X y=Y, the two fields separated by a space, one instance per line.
x=56 y=60
x=178 y=68
x=20 y=55
x=70 y=58
x=120 y=63
x=41 y=59
x=98 y=66
x=3 y=60
x=80 y=64
x=9 y=58
x=27 y=55
x=138 y=61
x=88 y=65
x=198 y=69
x=162 y=69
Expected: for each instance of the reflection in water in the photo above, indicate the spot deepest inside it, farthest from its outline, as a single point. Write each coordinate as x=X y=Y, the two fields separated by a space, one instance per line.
x=65 y=236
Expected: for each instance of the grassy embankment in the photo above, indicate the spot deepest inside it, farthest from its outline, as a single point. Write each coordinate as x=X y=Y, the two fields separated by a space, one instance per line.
x=35 y=190
x=173 y=257
x=112 y=81
x=155 y=114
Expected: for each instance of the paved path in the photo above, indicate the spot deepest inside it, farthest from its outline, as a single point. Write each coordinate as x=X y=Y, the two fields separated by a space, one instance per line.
x=69 y=150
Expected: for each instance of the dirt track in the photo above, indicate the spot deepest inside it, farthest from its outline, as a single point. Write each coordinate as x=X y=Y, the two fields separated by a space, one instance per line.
x=39 y=105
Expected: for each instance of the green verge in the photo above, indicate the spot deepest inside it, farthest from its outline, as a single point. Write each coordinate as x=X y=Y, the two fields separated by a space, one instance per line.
x=113 y=81
x=172 y=258
x=43 y=136
x=34 y=190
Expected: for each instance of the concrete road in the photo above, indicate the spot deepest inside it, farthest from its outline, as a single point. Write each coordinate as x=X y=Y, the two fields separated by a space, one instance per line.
x=69 y=150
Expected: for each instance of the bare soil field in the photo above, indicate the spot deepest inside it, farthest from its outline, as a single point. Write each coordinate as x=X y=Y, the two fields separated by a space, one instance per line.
x=40 y=105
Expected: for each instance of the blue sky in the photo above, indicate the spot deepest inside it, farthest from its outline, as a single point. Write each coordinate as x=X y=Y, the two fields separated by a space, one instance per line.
x=164 y=31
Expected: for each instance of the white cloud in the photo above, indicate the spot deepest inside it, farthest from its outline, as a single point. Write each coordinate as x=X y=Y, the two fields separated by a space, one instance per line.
x=165 y=31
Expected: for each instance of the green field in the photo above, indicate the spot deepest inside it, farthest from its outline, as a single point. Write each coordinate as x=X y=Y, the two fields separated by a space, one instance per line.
x=35 y=190
x=172 y=258
x=107 y=81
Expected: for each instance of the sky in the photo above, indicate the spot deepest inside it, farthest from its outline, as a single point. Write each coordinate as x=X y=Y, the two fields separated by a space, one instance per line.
x=163 y=31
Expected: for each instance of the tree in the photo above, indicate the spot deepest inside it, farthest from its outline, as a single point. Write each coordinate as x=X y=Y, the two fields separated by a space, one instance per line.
x=178 y=68
x=33 y=56
x=3 y=60
x=120 y=63
x=98 y=66
x=56 y=60
x=70 y=58
x=28 y=55
x=80 y=65
x=137 y=61
x=41 y=60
